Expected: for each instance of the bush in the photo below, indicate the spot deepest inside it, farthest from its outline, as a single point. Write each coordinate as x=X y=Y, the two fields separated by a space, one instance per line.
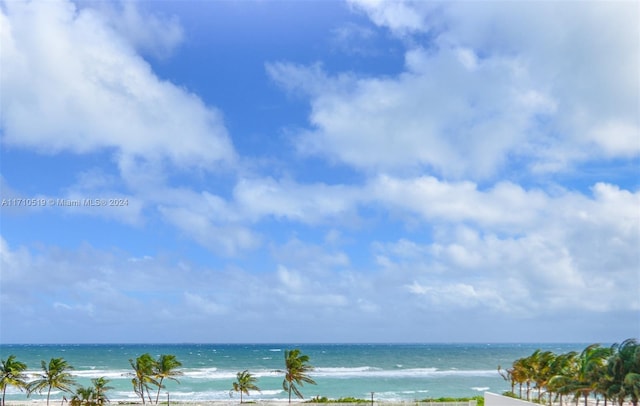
x=324 y=399
x=479 y=400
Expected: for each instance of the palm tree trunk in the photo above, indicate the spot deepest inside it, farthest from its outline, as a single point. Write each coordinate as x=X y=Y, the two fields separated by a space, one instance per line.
x=48 y=394
x=159 y=387
x=142 y=393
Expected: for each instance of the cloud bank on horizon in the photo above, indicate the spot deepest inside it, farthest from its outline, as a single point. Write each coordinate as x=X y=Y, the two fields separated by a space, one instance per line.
x=357 y=171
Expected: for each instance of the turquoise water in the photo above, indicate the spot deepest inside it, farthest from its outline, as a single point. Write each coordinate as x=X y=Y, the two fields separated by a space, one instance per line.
x=391 y=371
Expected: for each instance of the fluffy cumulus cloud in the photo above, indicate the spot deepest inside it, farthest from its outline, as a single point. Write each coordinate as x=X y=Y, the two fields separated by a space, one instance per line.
x=566 y=249
x=430 y=233
x=79 y=74
x=74 y=80
x=472 y=101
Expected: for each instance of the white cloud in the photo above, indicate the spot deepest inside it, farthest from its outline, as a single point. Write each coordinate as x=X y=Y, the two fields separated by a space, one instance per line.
x=291 y=280
x=203 y=305
x=70 y=82
x=400 y=17
x=503 y=206
x=438 y=114
x=221 y=237
x=310 y=293
x=617 y=138
x=471 y=100
x=147 y=32
x=310 y=257
x=459 y=295
x=285 y=199
x=571 y=249
x=468 y=102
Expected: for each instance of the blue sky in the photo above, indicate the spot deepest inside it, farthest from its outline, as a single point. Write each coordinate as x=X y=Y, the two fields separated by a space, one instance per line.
x=320 y=171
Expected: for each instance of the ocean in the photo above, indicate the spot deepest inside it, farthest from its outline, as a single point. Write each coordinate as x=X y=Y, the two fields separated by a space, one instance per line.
x=393 y=372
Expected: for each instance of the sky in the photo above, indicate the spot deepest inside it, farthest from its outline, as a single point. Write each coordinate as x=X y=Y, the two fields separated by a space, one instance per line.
x=319 y=171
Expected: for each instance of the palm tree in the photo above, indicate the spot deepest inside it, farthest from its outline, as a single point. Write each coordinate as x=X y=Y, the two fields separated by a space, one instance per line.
x=84 y=397
x=632 y=382
x=143 y=369
x=591 y=364
x=519 y=374
x=624 y=369
x=562 y=369
x=99 y=388
x=54 y=375
x=11 y=374
x=524 y=368
x=164 y=368
x=611 y=373
x=244 y=383
x=296 y=372
x=540 y=364
x=507 y=375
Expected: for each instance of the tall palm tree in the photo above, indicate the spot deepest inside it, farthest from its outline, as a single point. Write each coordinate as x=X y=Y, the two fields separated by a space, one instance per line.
x=244 y=383
x=165 y=368
x=519 y=374
x=54 y=375
x=297 y=366
x=632 y=382
x=143 y=368
x=624 y=369
x=12 y=374
x=100 y=388
x=525 y=372
x=591 y=363
x=541 y=363
x=563 y=367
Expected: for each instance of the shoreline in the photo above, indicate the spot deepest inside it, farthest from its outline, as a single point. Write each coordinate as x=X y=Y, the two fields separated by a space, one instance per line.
x=56 y=402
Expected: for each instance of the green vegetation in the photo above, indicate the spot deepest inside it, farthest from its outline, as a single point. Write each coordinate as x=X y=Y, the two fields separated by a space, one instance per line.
x=92 y=396
x=609 y=373
x=100 y=389
x=143 y=376
x=12 y=374
x=324 y=399
x=244 y=383
x=54 y=375
x=297 y=366
x=479 y=400
x=165 y=368
x=150 y=372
